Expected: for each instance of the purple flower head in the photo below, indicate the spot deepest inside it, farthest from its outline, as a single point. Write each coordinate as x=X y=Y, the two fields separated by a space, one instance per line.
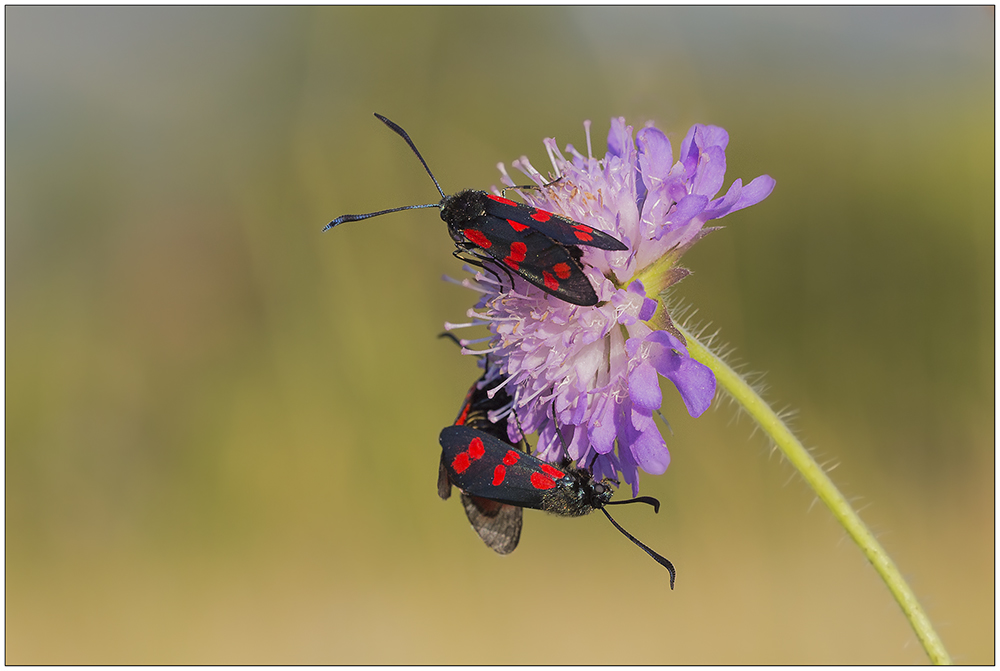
x=586 y=378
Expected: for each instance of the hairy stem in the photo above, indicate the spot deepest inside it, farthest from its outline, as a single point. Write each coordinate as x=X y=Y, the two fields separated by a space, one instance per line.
x=737 y=387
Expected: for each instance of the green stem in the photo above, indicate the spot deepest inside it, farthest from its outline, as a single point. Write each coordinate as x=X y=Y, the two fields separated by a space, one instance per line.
x=793 y=450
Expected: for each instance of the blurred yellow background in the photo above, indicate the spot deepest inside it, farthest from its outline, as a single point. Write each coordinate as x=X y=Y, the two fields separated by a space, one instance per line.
x=221 y=425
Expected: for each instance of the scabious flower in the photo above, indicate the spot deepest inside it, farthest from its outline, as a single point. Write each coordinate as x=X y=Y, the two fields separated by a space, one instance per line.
x=586 y=378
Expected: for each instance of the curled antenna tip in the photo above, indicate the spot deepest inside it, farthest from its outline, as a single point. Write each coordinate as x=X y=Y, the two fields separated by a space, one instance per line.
x=648 y=500
x=658 y=558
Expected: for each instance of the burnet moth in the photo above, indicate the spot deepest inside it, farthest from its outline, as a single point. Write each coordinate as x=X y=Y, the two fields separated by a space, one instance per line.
x=541 y=247
x=498 y=524
x=484 y=466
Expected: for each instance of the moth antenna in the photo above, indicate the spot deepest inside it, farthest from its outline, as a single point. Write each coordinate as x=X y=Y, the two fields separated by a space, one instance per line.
x=451 y=337
x=639 y=499
x=665 y=421
x=344 y=218
x=659 y=559
x=530 y=187
x=559 y=433
x=566 y=461
x=517 y=421
x=402 y=133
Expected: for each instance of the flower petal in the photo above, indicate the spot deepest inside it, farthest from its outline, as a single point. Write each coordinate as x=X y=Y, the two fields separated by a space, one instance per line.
x=603 y=429
x=711 y=172
x=619 y=138
x=648 y=309
x=644 y=387
x=720 y=207
x=627 y=464
x=694 y=381
x=687 y=209
x=754 y=192
x=655 y=156
x=650 y=451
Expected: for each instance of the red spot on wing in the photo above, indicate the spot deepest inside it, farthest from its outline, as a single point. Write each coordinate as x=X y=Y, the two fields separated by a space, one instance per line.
x=501 y=199
x=465 y=413
x=477 y=238
x=499 y=473
x=551 y=282
x=553 y=471
x=539 y=481
x=461 y=462
x=517 y=226
x=541 y=215
x=511 y=457
x=583 y=233
x=476 y=448
x=562 y=270
x=518 y=250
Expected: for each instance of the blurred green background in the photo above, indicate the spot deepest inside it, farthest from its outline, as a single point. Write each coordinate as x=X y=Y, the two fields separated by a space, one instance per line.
x=221 y=425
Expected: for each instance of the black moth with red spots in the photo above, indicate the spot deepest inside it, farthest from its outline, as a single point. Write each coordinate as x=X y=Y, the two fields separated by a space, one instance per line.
x=481 y=465
x=542 y=247
x=498 y=524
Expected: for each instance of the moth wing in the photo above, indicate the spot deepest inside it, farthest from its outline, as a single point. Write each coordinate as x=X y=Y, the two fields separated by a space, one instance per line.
x=501 y=473
x=537 y=258
x=444 y=482
x=498 y=524
x=555 y=226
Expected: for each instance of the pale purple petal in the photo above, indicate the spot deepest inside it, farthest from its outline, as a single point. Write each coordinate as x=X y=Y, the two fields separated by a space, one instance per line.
x=690 y=150
x=629 y=469
x=603 y=429
x=646 y=445
x=687 y=209
x=678 y=187
x=720 y=207
x=644 y=387
x=655 y=156
x=650 y=451
x=696 y=384
x=619 y=139
x=694 y=381
x=655 y=207
x=577 y=442
x=711 y=172
x=714 y=136
x=649 y=306
x=638 y=289
x=754 y=192
x=606 y=466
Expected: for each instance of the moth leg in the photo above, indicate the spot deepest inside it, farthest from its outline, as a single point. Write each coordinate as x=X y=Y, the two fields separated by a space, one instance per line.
x=471 y=256
x=530 y=187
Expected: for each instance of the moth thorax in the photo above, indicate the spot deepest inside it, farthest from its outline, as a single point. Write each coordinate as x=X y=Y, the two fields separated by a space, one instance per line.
x=575 y=495
x=459 y=209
